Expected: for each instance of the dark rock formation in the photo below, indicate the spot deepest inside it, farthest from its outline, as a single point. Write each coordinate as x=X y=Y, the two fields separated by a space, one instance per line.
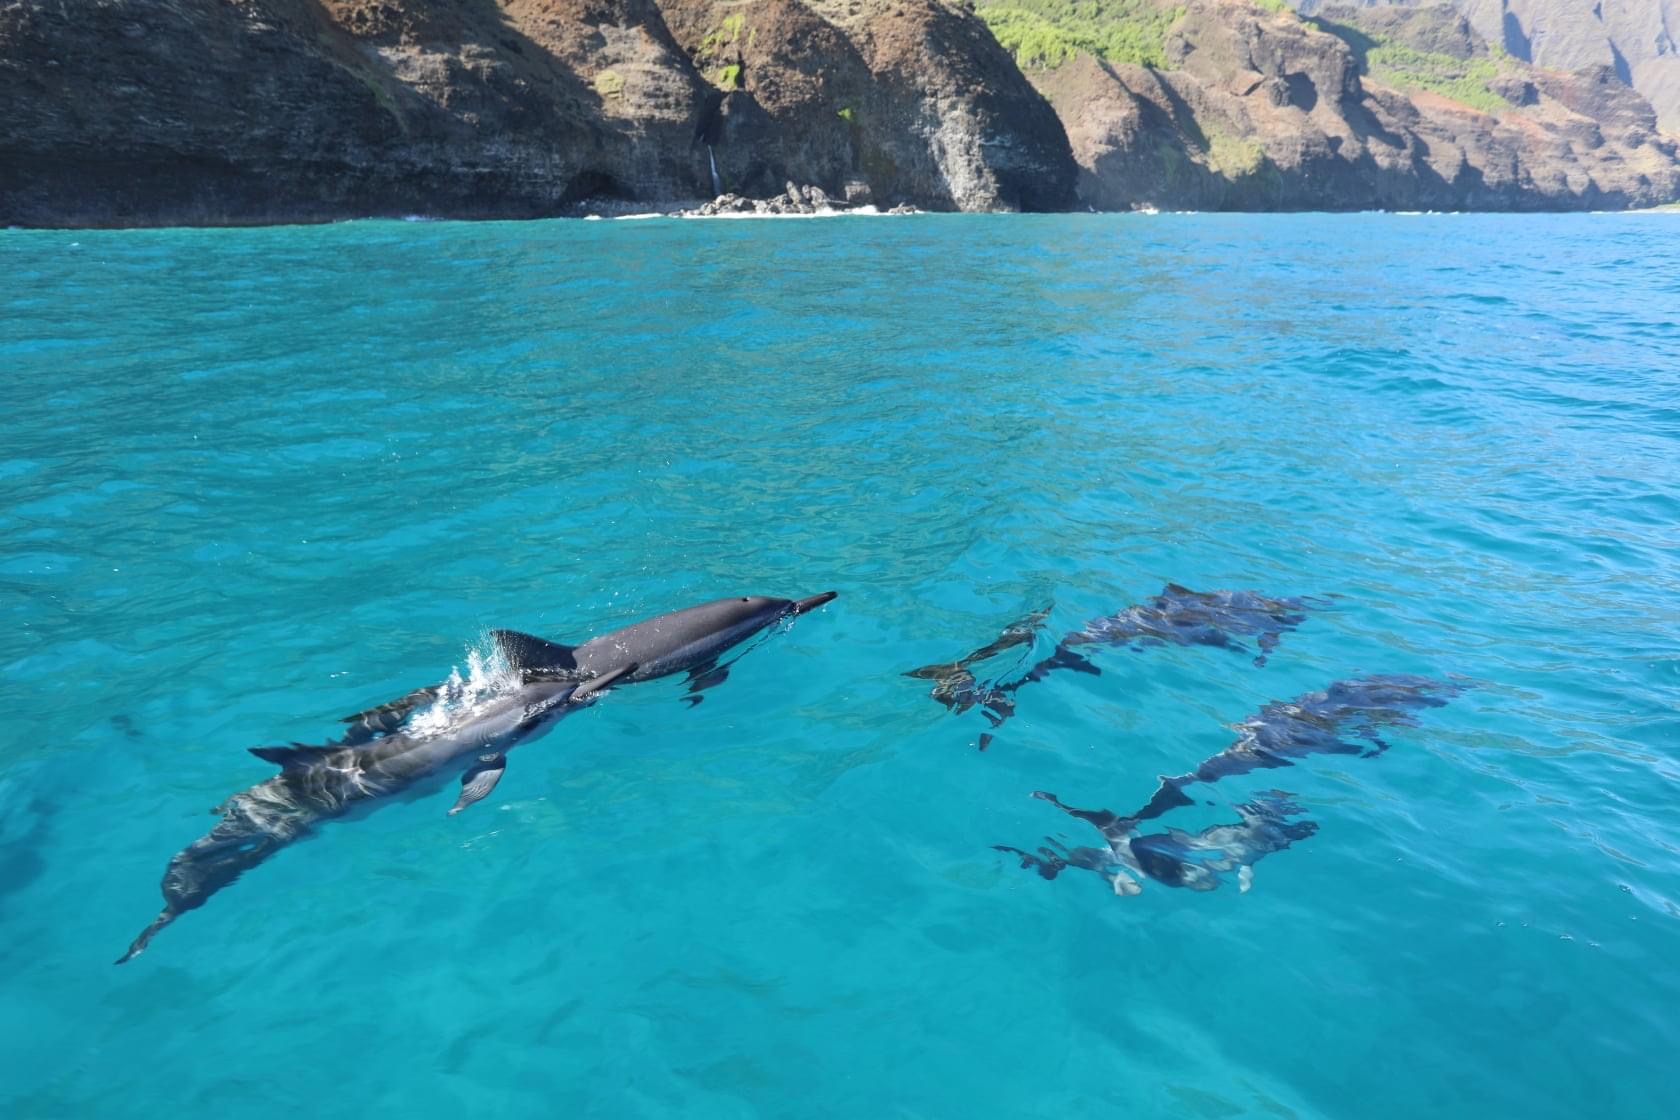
x=795 y=200
x=915 y=98
x=122 y=112
x=143 y=112
x=1258 y=110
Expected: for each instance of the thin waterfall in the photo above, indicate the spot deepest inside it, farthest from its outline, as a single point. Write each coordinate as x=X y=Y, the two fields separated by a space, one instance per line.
x=717 y=184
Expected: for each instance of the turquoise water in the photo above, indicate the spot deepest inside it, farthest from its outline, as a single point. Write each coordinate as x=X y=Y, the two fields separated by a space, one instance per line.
x=253 y=480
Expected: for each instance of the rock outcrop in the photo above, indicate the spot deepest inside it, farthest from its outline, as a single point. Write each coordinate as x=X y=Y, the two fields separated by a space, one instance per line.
x=914 y=98
x=124 y=112
x=1636 y=39
x=1260 y=110
x=158 y=111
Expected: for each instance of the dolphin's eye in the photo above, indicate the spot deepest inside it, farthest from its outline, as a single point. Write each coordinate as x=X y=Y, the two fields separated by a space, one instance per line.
x=743 y=598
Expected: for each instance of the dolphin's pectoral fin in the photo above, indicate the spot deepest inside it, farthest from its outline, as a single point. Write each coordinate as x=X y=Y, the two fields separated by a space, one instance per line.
x=702 y=677
x=595 y=685
x=293 y=757
x=479 y=779
x=1047 y=863
x=526 y=651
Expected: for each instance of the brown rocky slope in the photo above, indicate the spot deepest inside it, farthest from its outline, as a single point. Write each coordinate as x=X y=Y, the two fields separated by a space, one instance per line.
x=1261 y=110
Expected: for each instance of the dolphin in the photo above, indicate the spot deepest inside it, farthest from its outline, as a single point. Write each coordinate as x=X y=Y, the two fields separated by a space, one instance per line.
x=1177 y=616
x=1193 y=860
x=954 y=683
x=393 y=748
x=1284 y=731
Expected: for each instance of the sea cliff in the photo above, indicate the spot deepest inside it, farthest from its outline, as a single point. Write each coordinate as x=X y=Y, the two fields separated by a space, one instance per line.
x=139 y=112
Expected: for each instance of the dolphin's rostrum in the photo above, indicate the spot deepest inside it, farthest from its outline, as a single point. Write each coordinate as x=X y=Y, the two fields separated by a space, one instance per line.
x=394 y=747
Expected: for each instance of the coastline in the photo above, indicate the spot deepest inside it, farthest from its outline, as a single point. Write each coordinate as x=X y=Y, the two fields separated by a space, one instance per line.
x=641 y=214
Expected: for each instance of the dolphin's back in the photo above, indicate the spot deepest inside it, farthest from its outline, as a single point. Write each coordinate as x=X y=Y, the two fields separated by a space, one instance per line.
x=681 y=639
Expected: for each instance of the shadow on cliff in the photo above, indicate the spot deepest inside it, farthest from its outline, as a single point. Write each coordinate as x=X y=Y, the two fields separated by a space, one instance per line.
x=456 y=75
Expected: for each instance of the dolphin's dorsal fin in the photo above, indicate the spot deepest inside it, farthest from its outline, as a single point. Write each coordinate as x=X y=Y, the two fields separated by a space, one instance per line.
x=526 y=651
x=293 y=757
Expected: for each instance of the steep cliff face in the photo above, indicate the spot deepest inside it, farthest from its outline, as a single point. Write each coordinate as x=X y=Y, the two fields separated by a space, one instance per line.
x=163 y=111
x=904 y=101
x=1635 y=38
x=1374 y=108
x=257 y=110
x=1639 y=40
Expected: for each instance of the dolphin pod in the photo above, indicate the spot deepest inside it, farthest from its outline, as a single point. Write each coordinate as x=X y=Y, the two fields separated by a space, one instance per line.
x=1277 y=736
x=394 y=747
x=1177 y=616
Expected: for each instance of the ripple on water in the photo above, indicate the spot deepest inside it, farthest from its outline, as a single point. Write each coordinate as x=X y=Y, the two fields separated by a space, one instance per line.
x=252 y=480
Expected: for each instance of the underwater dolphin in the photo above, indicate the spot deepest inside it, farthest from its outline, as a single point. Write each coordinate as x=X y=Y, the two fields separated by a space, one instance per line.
x=954 y=683
x=1194 y=860
x=1177 y=616
x=1284 y=731
x=391 y=749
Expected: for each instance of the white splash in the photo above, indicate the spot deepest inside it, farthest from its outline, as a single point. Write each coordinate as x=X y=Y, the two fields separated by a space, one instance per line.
x=488 y=676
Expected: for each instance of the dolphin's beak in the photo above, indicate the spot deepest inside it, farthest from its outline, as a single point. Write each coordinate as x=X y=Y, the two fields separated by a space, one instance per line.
x=813 y=602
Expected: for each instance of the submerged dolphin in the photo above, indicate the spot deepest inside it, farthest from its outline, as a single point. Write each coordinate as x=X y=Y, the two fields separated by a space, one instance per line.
x=1194 y=860
x=393 y=748
x=954 y=683
x=1283 y=731
x=1177 y=616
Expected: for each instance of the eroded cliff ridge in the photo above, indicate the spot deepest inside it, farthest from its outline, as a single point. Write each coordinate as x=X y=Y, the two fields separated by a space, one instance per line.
x=122 y=112
x=1637 y=39
x=1246 y=107
x=159 y=111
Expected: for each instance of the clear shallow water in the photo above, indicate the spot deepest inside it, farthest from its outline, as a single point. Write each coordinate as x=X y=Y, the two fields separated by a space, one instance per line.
x=253 y=480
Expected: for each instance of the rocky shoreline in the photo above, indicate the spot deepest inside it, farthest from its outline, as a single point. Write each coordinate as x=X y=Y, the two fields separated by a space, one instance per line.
x=795 y=200
x=238 y=112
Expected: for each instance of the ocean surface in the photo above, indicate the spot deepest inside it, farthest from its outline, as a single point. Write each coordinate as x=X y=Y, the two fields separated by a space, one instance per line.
x=253 y=480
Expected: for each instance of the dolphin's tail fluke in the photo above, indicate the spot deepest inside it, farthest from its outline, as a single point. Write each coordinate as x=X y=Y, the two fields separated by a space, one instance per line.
x=146 y=935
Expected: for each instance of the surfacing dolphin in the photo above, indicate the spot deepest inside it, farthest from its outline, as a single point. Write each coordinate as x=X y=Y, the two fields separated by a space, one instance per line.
x=1195 y=860
x=393 y=748
x=1177 y=616
x=1284 y=731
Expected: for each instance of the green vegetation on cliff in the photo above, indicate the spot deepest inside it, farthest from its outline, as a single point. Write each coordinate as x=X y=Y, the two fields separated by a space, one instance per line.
x=1462 y=79
x=1390 y=62
x=1046 y=33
